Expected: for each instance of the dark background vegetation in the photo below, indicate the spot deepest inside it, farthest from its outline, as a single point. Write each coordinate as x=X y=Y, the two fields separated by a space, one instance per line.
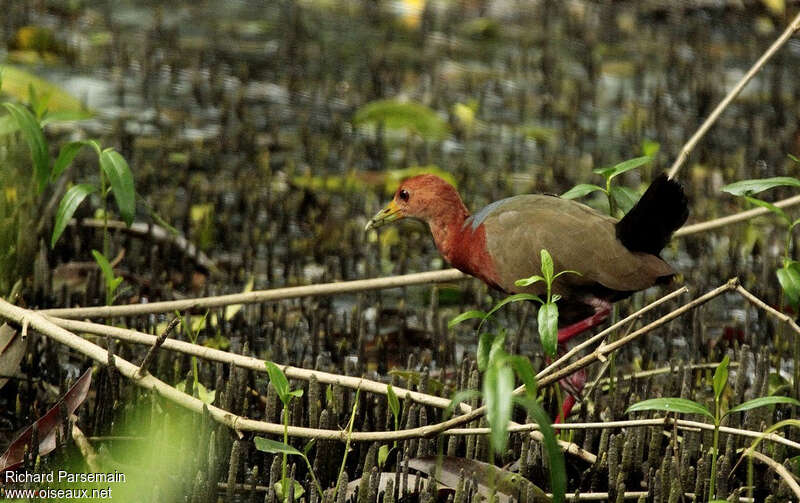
x=237 y=119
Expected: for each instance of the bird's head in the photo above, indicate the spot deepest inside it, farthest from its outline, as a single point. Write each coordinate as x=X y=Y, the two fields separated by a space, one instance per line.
x=424 y=197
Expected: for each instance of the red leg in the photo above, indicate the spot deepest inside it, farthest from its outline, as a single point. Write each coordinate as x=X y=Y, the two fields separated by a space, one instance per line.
x=570 y=331
x=573 y=384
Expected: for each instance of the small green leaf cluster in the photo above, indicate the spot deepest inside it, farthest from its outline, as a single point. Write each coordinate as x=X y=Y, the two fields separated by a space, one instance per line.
x=285 y=394
x=114 y=170
x=619 y=197
x=112 y=281
x=192 y=331
x=499 y=370
x=413 y=117
x=684 y=406
x=789 y=274
x=548 y=310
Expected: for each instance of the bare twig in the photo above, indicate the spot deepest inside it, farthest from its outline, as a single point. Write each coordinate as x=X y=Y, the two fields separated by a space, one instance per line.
x=689 y=146
x=778 y=468
x=158 y=234
x=43 y=325
x=635 y=423
x=733 y=219
x=87 y=451
x=602 y=334
x=769 y=309
x=257 y=365
x=294 y=292
x=609 y=348
x=157 y=344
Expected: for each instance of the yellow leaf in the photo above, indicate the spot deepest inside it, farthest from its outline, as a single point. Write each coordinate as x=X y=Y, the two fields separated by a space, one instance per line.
x=230 y=311
x=776 y=7
x=16 y=83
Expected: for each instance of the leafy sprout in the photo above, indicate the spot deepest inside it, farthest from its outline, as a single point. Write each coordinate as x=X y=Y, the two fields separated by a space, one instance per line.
x=619 y=197
x=789 y=274
x=684 y=406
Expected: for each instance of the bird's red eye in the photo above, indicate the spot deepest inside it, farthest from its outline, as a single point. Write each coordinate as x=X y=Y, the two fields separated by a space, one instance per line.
x=403 y=194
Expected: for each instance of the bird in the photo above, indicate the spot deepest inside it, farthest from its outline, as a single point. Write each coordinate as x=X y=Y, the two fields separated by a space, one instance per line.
x=501 y=244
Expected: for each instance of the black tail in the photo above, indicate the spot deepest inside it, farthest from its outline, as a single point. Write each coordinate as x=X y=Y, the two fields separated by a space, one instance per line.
x=661 y=211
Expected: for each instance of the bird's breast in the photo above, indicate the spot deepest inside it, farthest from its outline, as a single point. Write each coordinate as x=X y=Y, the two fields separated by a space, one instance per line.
x=468 y=252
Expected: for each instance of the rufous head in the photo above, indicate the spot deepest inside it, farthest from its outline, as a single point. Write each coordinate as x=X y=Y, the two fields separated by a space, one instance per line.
x=424 y=197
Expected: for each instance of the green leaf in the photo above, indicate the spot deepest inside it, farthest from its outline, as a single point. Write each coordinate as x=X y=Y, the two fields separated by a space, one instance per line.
x=34 y=137
x=394 y=402
x=522 y=366
x=771 y=207
x=119 y=175
x=650 y=148
x=383 y=455
x=484 y=348
x=670 y=405
x=547 y=266
x=297 y=393
x=65 y=116
x=274 y=447
x=580 y=190
x=789 y=278
x=512 y=298
x=748 y=187
x=548 y=327
x=566 y=271
x=279 y=381
x=529 y=281
x=618 y=169
x=108 y=272
x=469 y=315
x=309 y=445
x=794 y=158
x=498 y=386
x=558 y=473
x=299 y=490
x=497 y=350
x=69 y=203
x=398 y=115
x=66 y=155
x=624 y=197
x=762 y=402
x=721 y=377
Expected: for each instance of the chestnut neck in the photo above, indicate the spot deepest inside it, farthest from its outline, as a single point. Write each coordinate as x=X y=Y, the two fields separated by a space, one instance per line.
x=447 y=227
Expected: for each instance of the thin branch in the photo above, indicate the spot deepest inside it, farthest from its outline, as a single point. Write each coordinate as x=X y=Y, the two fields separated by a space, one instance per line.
x=634 y=423
x=151 y=353
x=602 y=334
x=86 y=449
x=689 y=146
x=324 y=289
x=733 y=219
x=254 y=364
x=778 y=468
x=769 y=309
x=610 y=348
x=158 y=234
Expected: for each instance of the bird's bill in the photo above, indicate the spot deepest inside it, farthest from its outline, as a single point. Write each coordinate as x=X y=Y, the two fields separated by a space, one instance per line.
x=389 y=214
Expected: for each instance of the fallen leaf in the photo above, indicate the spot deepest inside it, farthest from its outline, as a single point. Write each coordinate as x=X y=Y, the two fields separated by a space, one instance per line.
x=508 y=485
x=47 y=425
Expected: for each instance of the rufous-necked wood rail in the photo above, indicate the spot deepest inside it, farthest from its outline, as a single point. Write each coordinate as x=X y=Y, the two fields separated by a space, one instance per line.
x=502 y=242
